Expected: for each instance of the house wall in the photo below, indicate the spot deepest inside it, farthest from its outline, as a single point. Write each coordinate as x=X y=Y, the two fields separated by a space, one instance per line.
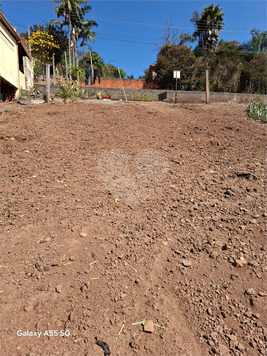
x=28 y=72
x=22 y=81
x=8 y=57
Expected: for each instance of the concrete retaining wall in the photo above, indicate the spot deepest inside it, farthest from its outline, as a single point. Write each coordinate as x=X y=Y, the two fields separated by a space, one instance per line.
x=169 y=95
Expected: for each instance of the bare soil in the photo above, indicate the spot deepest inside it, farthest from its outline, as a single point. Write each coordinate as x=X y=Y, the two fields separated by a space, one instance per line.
x=115 y=213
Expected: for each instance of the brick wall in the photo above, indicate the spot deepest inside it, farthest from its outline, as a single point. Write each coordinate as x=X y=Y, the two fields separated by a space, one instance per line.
x=127 y=84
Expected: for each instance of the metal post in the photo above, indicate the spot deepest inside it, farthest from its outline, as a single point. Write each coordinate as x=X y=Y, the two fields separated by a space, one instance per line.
x=47 y=93
x=29 y=40
x=207 y=87
x=54 y=70
x=66 y=66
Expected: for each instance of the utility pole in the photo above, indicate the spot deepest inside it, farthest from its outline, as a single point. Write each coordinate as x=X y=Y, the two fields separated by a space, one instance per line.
x=207 y=87
x=29 y=40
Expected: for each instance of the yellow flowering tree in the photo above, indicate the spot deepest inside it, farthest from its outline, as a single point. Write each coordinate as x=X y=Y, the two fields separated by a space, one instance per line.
x=42 y=46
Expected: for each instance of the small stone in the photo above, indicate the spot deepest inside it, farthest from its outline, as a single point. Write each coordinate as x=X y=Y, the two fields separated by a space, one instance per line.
x=186 y=263
x=195 y=206
x=134 y=345
x=139 y=281
x=240 y=263
x=262 y=294
x=71 y=316
x=83 y=234
x=250 y=291
x=253 y=221
x=240 y=347
x=232 y=337
x=224 y=351
x=213 y=254
x=248 y=314
x=255 y=216
x=149 y=326
x=256 y=315
x=59 y=288
x=215 y=218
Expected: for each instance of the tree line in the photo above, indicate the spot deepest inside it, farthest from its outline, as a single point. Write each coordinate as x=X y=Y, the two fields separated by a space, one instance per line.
x=50 y=39
x=233 y=67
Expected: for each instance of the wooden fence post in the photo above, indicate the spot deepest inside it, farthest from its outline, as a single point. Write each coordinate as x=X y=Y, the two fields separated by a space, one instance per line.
x=207 y=87
x=47 y=93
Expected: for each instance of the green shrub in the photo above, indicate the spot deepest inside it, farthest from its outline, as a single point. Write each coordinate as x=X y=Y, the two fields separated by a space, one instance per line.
x=68 y=90
x=143 y=97
x=257 y=111
x=24 y=94
x=75 y=71
x=86 y=93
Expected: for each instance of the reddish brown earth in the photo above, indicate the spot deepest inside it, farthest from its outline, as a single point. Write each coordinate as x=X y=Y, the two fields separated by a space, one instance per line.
x=96 y=232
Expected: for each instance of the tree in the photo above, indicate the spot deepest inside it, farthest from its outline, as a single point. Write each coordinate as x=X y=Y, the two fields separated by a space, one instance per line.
x=208 y=27
x=146 y=76
x=59 y=36
x=227 y=67
x=73 y=14
x=258 y=73
x=41 y=45
x=107 y=70
x=85 y=33
x=179 y=57
x=259 y=41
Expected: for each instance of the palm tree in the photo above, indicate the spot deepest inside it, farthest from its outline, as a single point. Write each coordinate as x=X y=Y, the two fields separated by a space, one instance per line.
x=208 y=27
x=259 y=41
x=85 y=33
x=72 y=13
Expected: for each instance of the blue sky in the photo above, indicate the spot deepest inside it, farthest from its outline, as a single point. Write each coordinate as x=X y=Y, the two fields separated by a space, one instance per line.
x=128 y=30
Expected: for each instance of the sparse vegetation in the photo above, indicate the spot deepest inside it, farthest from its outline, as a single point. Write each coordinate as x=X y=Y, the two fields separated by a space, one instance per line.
x=143 y=97
x=68 y=90
x=257 y=111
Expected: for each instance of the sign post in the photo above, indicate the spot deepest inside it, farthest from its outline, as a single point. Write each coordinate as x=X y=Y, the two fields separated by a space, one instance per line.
x=176 y=75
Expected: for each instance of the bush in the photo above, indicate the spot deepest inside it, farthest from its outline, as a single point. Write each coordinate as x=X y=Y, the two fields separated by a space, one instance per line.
x=86 y=93
x=257 y=111
x=75 y=71
x=68 y=90
x=24 y=94
x=143 y=97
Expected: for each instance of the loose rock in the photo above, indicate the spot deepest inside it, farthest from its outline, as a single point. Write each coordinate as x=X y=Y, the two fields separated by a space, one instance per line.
x=186 y=263
x=240 y=263
x=83 y=234
x=149 y=326
x=250 y=291
x=59 y=288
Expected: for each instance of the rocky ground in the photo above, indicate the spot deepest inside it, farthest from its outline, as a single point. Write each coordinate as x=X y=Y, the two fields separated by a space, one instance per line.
x=123 y=214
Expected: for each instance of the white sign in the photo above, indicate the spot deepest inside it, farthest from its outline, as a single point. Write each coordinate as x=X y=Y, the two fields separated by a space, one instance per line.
x=176 y=74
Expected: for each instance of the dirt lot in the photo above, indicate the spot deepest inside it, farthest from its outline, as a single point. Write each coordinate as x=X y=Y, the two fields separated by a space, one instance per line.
x=115 y=213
